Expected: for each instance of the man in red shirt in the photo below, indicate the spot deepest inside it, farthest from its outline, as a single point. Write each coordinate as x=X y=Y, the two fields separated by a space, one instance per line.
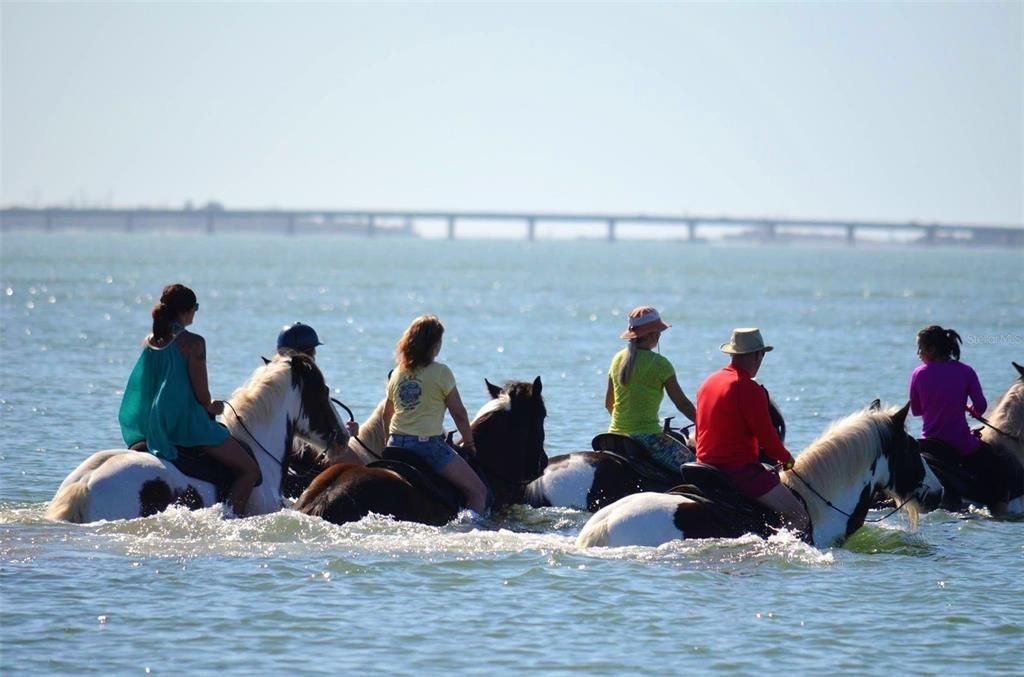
x=733 y=422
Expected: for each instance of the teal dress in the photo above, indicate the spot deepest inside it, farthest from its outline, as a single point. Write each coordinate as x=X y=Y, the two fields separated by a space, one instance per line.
x=160 y=407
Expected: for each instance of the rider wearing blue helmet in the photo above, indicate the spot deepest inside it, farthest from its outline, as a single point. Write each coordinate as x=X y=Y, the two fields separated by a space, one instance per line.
x=298 y=337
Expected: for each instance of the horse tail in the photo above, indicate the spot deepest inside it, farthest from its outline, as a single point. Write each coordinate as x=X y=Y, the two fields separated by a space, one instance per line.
x=70 y=503
x=534 y=494
x=595 y=532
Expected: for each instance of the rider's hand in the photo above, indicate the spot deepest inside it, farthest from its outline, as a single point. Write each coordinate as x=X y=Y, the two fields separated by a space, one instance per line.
x=353 y=428
x=216 y=408
x=788 y=465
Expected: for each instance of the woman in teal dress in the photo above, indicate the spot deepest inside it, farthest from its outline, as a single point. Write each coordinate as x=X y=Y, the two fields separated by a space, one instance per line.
x=167 y=401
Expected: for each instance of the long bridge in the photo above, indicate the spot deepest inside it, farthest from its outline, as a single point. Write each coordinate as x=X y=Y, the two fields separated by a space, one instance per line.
x=402 y=222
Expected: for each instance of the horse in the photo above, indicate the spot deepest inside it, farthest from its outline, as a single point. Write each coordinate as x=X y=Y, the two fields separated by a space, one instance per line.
x=835 y=477
x=509 y=436
x=590 y=480
x=1003 y=430
x=284 y=399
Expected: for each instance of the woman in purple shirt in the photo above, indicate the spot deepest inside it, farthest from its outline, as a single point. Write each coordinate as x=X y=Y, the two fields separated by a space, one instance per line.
x=939 y=391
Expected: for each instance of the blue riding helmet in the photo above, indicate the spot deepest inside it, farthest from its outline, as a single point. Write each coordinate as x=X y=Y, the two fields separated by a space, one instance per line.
x=298 y=336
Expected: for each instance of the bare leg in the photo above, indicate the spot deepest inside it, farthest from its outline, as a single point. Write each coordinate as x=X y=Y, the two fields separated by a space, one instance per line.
x=465 y=478
x=231 y=454
x=781 y=500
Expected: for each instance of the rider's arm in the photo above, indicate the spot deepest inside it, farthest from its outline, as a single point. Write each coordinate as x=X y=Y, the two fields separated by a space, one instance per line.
x=754 y=407
x=455 y=407
x=978 y=402
x=389 y=411
x=195 y=350
x=679 y=398
x=609 y=396
x=915 y=398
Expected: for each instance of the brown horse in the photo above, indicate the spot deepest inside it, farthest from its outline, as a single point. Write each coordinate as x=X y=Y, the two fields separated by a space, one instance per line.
x=509 y=436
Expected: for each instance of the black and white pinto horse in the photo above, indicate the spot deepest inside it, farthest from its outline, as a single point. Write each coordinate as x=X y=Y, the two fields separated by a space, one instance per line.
x=284 y=399
x=863 y=453
x=1003 y=430
x=509 y=436
x=590 y=480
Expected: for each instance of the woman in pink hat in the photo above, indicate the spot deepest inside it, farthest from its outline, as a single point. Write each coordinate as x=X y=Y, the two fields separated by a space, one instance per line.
x=637 y=380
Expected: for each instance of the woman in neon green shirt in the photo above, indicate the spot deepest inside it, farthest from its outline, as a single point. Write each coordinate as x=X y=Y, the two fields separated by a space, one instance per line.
x=637 y=379
x=420 y=391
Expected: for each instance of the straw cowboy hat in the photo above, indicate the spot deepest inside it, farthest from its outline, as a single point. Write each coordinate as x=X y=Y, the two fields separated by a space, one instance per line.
x=643 y=321
x=745 y=341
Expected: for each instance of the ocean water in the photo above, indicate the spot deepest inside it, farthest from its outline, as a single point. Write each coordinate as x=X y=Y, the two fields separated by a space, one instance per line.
x=193 y=593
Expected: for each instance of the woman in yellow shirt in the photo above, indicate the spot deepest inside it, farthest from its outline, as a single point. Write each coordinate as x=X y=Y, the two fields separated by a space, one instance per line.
x=419 y=393
x=637 y=379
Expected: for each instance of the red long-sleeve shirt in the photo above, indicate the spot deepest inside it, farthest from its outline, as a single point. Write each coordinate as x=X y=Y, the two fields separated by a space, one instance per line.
x=733 y=420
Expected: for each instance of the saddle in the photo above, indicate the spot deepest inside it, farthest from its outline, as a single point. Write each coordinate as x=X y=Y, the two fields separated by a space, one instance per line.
x=958 y=481
x=420 y=475
x=635 y=455
x=196 y=463
x=732 y=513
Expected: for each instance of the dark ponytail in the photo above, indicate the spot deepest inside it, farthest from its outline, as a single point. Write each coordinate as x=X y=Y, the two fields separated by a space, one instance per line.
x=938 y=343
x=175 y=300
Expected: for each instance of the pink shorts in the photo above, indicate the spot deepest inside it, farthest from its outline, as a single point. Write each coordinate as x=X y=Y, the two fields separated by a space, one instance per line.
x=752 y=480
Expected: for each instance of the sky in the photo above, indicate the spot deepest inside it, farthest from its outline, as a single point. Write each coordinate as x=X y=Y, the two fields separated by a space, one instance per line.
x=875 y=111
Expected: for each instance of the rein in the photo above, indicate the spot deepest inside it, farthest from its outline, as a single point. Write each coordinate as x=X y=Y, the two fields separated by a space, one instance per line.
x=984 y=422
x=352 y=417
x=251 y=436
x=840 y=510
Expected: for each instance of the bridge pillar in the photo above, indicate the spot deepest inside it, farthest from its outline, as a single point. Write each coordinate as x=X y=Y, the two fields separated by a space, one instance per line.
x=371 y=225
x=129 y=222
x=611 y=230
x=769 y=231
x=691 y=230
x=929 y=234
x=531 y=229
x=49 y=221
x=290 y=226
x=851 y=234
x=209 y=223
x=451 y=227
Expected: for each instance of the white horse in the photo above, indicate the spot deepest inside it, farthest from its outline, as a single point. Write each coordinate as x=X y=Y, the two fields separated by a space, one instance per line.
x=863 y=453
x=1004 y=429
x=284 y=399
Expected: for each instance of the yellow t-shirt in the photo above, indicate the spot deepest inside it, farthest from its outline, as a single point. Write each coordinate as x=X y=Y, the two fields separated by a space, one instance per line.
x=418 y=397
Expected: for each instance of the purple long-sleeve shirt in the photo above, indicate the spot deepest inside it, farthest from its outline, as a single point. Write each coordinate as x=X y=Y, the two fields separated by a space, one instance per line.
x=938 y=393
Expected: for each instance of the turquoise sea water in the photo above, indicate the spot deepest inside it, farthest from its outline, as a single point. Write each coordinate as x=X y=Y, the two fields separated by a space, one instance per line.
x=192 y=593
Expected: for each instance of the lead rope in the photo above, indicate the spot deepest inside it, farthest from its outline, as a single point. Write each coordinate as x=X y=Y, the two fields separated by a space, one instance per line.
x=351 y=417
x=840 y=510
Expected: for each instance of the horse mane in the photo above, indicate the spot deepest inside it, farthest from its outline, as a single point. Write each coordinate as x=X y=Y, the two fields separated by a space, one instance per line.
x=844 y=450
x=493 y=406
x=256 y=398
x=1002 y=416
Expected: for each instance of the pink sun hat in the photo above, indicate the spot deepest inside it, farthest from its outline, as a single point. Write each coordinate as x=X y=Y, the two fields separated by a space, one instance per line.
x=644 y=320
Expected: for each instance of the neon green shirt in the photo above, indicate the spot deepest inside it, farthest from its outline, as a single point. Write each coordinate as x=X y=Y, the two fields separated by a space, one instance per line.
x=637 y=404
x=418 y=397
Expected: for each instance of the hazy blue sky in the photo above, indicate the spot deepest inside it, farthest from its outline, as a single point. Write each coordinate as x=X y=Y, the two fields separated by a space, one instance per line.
x=881 y=110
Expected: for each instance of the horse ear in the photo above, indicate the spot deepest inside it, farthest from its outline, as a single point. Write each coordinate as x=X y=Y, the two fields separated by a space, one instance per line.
x=1020 y=369
x=494 y=390
x=536 y=386
x=875 y=405
x=900 y=417
x=265 y=360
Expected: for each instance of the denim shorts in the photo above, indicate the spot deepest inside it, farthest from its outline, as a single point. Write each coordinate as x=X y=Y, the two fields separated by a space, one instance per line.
x=433 y=450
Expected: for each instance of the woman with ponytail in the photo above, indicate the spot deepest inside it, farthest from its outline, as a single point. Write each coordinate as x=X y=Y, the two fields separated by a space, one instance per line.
x=167 y=401
x=637 y=380
x=939 y=391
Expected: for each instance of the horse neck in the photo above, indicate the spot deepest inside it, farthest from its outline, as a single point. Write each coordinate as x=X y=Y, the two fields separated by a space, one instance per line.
x=844 y=471
x=373 y=434
x=270 y=436
x=1008 y=415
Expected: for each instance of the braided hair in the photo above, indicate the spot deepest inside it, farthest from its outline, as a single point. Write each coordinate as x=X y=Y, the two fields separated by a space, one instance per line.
x=175 y=300
x=938 y=343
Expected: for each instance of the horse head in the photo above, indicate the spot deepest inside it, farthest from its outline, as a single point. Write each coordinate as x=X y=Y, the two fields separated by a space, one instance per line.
x=509 y=436
x=909 y=479
x=317 y=420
